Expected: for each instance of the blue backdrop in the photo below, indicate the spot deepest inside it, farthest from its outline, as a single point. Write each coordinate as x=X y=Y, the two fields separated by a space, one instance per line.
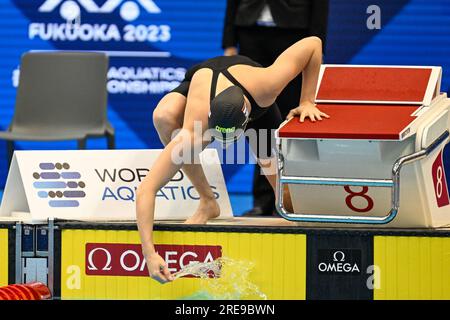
x=151 y=43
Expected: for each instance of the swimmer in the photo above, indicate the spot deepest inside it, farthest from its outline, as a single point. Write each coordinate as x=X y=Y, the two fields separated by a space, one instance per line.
x=223 y=96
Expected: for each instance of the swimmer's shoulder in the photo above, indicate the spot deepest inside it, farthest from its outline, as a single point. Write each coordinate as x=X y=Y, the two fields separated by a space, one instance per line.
x=221 y=62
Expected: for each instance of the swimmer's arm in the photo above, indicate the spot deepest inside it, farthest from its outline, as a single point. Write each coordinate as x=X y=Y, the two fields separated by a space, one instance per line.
x=305 y=56
x=159 y=175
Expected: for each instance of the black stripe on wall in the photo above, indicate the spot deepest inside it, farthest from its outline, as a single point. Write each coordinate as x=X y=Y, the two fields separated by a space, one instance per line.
x=57 y=265
x=337 y=267
x=11 y=255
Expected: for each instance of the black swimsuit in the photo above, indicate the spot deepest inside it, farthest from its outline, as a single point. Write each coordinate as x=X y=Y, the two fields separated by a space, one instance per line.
x=220 y=65
x=260 y=118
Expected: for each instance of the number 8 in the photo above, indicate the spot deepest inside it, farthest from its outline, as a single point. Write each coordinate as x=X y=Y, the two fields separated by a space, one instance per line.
x=439 y=176
x=362 y=194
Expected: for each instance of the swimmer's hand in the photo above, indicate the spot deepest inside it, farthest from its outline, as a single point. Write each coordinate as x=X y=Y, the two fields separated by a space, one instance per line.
x=307 y=109
x=157 y=268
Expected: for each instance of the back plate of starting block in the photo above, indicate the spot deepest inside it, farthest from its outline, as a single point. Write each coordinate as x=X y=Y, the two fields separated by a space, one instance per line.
x=378 y=84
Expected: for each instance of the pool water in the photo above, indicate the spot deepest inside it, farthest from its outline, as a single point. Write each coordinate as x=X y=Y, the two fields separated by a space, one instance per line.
x=223 y=279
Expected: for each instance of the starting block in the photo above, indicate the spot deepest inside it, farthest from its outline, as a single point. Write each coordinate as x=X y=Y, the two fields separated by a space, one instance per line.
x=382 y=159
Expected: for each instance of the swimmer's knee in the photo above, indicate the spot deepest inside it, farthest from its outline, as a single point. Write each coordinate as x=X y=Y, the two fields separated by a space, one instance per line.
x=158 y=116
x=163 y=119
x=317 y=42
x=316 y=39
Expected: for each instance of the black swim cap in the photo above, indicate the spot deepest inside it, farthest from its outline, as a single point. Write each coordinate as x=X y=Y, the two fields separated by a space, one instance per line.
x=228 y=115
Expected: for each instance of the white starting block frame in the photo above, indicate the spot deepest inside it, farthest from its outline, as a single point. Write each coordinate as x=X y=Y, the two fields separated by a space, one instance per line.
x=313 y=160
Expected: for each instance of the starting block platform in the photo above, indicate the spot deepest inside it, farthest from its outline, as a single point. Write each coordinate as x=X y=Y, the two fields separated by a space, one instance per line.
x=382 y=159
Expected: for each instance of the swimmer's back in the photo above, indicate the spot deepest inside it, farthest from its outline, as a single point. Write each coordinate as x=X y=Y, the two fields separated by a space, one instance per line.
x=219 y=64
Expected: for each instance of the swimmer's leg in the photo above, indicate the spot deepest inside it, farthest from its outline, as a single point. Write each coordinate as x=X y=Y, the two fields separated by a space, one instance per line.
x=268 y=167
x=168 y=117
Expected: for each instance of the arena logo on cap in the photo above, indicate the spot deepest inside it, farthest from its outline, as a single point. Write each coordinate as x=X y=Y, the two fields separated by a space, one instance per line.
x=75 y=13
x=225 y=130
x=60 y=185
x=121 y=259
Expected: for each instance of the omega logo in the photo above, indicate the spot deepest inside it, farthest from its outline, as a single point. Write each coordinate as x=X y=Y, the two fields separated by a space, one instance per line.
x=339 y=264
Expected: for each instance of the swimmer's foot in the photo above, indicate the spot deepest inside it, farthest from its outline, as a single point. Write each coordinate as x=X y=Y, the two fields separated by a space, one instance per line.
x=207 y=209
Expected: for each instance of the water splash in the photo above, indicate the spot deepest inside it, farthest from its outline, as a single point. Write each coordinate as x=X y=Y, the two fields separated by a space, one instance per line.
x=223 y=279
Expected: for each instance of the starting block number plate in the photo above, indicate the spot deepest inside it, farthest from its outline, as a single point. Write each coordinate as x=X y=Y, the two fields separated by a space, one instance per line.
x=441 y=176
x=348 y=200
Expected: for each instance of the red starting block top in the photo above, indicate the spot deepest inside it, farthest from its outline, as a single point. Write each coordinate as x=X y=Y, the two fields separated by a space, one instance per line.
x=376 y=84
x=367 y=102
x=356 y=121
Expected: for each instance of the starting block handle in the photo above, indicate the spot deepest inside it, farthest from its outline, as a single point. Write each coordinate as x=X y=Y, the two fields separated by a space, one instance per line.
x=338 y=181
x=393 y=183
